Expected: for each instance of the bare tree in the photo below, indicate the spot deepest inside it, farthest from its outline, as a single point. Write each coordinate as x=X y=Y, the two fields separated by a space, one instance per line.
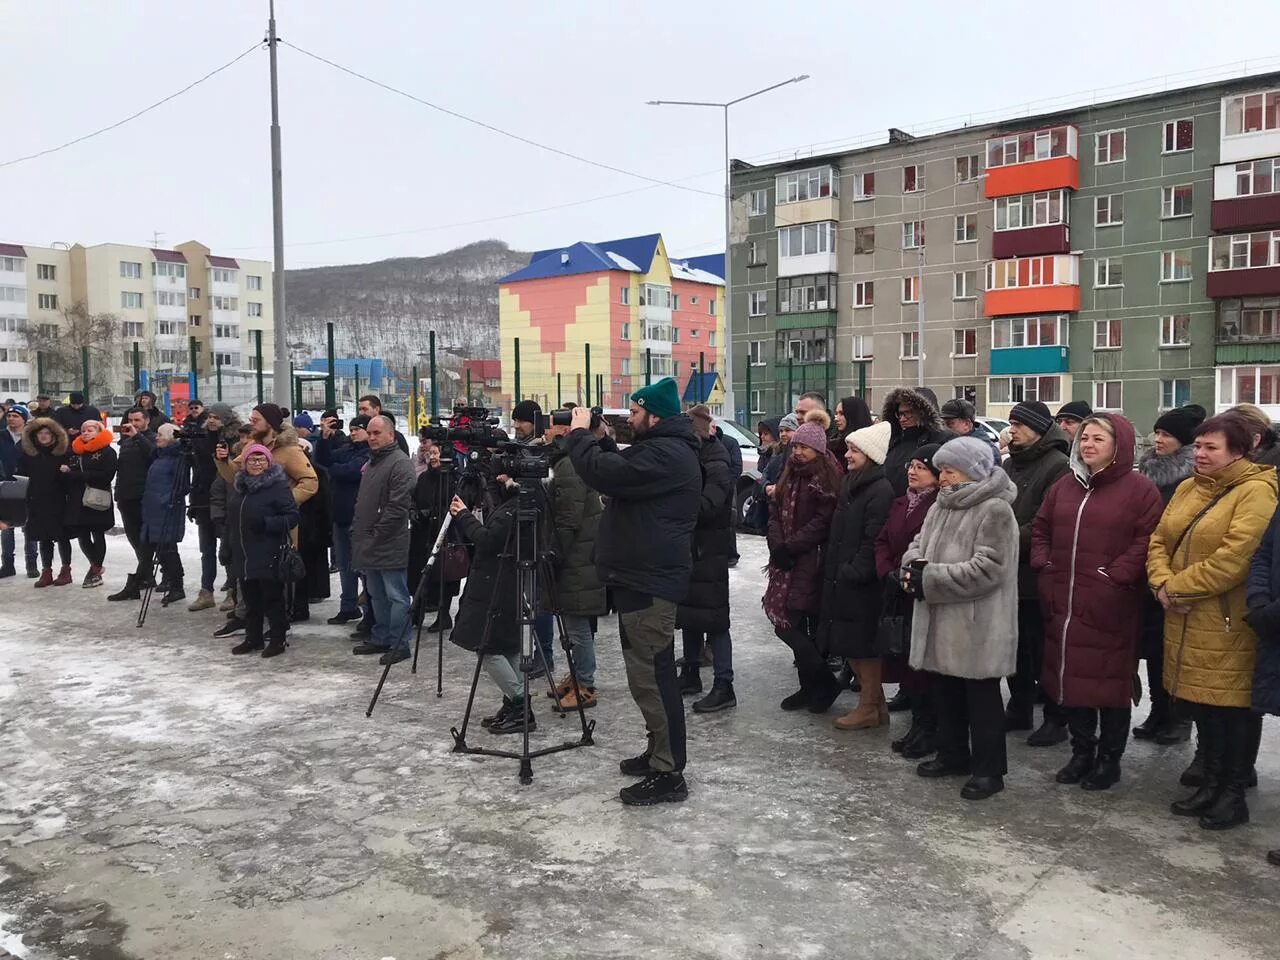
x=61 y=350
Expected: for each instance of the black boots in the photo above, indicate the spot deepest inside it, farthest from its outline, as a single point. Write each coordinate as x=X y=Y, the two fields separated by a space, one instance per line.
x=129 y=591
x=1095 y=755
x=1105 y=772
x=1235 y=748
x=720 y=698
x=823 y=689
x=1078 y=767
x=921 y=740
x=689 y=681
x=514 y=719
x=173 y=594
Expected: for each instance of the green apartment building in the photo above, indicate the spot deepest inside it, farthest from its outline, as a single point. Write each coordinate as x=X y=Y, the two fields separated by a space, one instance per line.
x=1125 y=253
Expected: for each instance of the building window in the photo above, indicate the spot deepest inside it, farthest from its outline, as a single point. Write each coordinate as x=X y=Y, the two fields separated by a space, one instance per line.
x=226 y=331
x=753 y=252
x=1110 y=147
x=805 y=346
x=224 y=359
x=1029 y=332
x=255 y=309
x=193 y=293
x=1108 y=211
x=757 y=401
x=913 y=178
x=130 y=300
x=13 y=264
x=11 y=324
x=1022 y=272
x=1108 y=395
x=46 y=271
x=194 y=320
x=806 y=293
x=910 y=346
x=1174 y=393
x=711 y=306
x=1175 y=201
x=759 y=203
x=967 y=228
x=16 y=385
x=224 y=276
x=1252 y=113
x=1178 y=135
x=170 y=328
x=968 y=168
x=864 y=186
x=13 y=355
x=675 y=334
x=252 y=282
x=47 y=331
x=864 y=239
x=863 y=346
x=163 y=268
x=130 y=270
x=225 y=303
x=1175 y=266
x=624 y=367
x=1256 y=320
x=1175 y=331
x=964 y=342
x=131 y=329
x=171 y=298
x=864 y=293
x=675 y=301
x=1245 y=250
x=807 y=238
x=711 y=338
x=1024 y=389
x=757 y=303
x=913 y=235
x=910 y=290
x=1108 y=272
x=625 y=333
x=47 y=301
x=808 y=185
x=755 y=353
x=1030 y=146
x=1107 y=335
x=1256 y=177
x=1031 y=210
x=966 y=285
x=625 y=296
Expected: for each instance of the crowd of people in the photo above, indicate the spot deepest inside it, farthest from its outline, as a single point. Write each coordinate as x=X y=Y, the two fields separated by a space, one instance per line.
x=903 y=549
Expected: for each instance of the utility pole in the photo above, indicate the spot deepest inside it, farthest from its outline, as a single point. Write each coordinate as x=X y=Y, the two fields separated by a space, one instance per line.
x=280 y=368
x=920 y=319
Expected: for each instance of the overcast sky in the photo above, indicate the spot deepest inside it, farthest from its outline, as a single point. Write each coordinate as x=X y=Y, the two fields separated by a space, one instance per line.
x=575 y=75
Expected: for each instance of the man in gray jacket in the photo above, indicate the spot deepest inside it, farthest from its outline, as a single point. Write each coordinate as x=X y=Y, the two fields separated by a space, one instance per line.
x=380 y=541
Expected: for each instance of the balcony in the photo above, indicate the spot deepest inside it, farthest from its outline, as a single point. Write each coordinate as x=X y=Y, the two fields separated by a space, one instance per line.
x=1032 y=161
x=1244 y=265
x=796 y=321
x=808 y=248
x=1250 y=126
x=1028 y=241
x=1022 y=360
x=1248 y=331
x=1049 y=284
x=1246 y=195
x=807 y=196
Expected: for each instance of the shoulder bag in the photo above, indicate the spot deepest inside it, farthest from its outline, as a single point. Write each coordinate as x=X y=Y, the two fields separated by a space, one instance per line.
x=289 y=565
x=893 y=629
x=94 y=498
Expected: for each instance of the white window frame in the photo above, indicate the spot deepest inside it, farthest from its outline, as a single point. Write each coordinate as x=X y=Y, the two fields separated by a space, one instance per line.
x=1169 y=263
x=625 y=296
x=46 y=301
x=252 y=281
x=624 y=332
x=1169 y=136
x=759 y=203
x=132 y=330
x=1100 y=390
x=1027 y=210
x=1103 y=152
x=130 y=300
x=1102 y=273
x=1170 y=400
x=1169 y=198
x=1027 y=329
x=755 y=353
x=864 y=294
x=909 y=341
x=1264 y=96
x=757 y=303
x=1240 y=249
x=753 y=252
x=964 y=285
x=801 y=186
x=966 y=223
x=912 y=234
x=861 y=180
x=1168 y=331
x=968 y=168
x=46 y=271
x=920 y=185
x=1246 y=176
x=131 y=269
x=863 y=347
x=1103 y=330
x=1110 y=206
x=960 y=334
x=1039 y=379
x=911 y=282
x=823 y=233
x=757 y=402
x=253 y=309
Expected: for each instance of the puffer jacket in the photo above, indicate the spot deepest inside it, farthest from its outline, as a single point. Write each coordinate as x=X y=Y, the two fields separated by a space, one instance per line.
x=575 y=511
x=1089 y=546
x=489 y=597
x=1263 y=598
x=1167 y=472
x=1034 y=470
x=260 y=513
x=163 y=517
x=706 y=607
x=1210 y=651
x=851 y=589
x=903 y=443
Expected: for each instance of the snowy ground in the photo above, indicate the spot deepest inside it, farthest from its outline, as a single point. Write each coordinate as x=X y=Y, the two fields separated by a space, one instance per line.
x=161 y=799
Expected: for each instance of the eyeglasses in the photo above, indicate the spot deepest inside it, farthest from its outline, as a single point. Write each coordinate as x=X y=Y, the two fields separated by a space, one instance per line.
x=906 y=413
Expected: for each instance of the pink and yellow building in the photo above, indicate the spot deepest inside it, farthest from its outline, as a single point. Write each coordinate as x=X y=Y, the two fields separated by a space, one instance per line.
x=591 y=321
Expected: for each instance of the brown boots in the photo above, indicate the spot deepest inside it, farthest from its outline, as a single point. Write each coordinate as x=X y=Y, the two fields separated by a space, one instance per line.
x=872 y=711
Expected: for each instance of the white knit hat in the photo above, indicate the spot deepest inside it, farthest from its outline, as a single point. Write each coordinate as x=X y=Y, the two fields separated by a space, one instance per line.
x=872 y=440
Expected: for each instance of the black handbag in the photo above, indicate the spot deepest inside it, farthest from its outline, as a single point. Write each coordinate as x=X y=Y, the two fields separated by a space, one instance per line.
x=893 y=629
x=290 y=567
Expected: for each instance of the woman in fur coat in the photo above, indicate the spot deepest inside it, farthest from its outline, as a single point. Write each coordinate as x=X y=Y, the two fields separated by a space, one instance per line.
x=43 y=459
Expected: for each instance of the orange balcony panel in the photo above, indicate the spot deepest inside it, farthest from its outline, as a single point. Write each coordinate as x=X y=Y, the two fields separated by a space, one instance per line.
x=1015 y=301
x=1056 y=173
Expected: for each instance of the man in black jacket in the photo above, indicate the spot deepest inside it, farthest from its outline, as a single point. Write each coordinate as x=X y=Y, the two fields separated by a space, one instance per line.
x=644 y=554
x=75 y=413
x=137 y=450
x=703 y=615
x=218 y=424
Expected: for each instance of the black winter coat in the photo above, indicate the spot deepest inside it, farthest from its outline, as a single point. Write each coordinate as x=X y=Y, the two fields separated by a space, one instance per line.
x=1033 y=471
x=575 y=511
x=70 y=419
x=203 y=470
x=706 y=606
x=851 y=590
x=654 y=488
x=431 y=496
x=904 y=443
x=345 y=463
x=93 y=469
x=490 y=586
x=136 y=454
x=47 y=489
x=1263 y=598
x=260 y=513
x=315 y=536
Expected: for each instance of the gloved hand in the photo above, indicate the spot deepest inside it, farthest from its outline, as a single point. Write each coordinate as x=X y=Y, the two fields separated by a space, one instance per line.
x=781 y=558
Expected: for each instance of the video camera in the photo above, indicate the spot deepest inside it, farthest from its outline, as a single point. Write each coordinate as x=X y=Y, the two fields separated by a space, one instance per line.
x=480 y=431
x=562 y=418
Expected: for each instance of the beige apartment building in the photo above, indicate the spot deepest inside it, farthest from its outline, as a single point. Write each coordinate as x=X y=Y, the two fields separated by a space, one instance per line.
x=158 y=300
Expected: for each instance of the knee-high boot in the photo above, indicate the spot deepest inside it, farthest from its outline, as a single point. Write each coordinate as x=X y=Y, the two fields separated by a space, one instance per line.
x=871 y=711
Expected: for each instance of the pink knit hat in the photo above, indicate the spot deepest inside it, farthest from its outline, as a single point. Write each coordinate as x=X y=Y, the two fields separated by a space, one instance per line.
x=258 y=448
x=811 y=435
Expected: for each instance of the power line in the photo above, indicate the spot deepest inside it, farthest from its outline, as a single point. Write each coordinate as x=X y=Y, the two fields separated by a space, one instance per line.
x=120 y=123
x=498 y=130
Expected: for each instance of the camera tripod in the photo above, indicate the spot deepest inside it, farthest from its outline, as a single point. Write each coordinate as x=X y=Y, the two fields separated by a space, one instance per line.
x=175 y=492
x=523 y=548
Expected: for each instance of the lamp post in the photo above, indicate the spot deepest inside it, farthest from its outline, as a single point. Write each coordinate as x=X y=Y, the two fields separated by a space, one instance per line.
x=728 y=209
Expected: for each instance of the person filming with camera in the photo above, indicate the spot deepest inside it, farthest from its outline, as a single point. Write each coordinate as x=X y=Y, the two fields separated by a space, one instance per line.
x=644 y=554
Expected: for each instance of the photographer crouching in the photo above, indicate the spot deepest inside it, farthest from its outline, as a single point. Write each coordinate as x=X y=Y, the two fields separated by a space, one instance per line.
x=644 y=554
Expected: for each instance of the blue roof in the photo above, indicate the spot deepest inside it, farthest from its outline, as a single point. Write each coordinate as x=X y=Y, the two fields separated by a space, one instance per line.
x=712 y=263
x=371 y=369
x=583 y=257
x=700 y=385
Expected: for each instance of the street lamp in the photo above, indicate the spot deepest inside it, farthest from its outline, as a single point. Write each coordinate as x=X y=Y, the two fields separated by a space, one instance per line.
x=728 y=203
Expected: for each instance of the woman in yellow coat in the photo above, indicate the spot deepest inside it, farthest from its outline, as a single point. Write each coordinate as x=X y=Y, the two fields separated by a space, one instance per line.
x=1197 y=565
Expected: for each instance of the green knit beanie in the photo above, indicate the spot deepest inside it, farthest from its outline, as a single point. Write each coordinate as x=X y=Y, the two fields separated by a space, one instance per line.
x=662 y=399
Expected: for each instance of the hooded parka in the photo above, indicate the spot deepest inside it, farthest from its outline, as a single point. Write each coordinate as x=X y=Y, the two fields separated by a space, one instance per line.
x=903 y=443
x=1089 y=547
x=47 y=489
x=851 y=590
x=575 y=511
x=1209 y=652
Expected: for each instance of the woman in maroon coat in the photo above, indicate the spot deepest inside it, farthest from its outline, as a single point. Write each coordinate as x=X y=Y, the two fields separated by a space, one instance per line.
x=906 y=517
x=799 y=523
x=1089 y=544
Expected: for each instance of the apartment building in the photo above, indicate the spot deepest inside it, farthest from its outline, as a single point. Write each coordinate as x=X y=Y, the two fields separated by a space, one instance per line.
x=593 y=319
x=1055 y=257
x=160 y=299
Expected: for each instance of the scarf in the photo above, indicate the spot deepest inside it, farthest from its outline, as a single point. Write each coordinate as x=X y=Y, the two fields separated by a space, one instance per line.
x=778 y=589
x=100 y=442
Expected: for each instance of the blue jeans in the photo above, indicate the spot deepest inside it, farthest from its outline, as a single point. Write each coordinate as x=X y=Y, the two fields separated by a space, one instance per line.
x=8 y=546
x=583 y=641
x=389 y=595
x=346 y=576
x=544 y=626
x=721 y=653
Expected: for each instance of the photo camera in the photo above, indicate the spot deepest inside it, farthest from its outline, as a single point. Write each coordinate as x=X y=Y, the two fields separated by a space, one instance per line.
x=562 y=418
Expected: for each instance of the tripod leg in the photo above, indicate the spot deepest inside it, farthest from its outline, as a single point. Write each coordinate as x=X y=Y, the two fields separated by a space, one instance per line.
x=151 y=588
x=588 y=726
x=460 y=736
x=440 y=663
x=378 y=691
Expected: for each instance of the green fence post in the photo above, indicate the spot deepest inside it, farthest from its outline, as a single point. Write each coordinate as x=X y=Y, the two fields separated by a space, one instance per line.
x=648 y=366
x=413 y=398
x=194 y=347
x=217 y=372
x=435 y=404
x=600 y=389
x=791 y=380
x=356 y=373
x=517 y=397
x=750 y=405
x=330 y=387
x=468 y=386
x=587 y=378
x=862 y=378
x=84 y=370
x=559 y=392
x=257 y=346
x=137 y=367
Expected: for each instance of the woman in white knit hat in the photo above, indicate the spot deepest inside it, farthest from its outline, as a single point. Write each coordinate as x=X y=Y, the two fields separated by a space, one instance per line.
x=851 y=592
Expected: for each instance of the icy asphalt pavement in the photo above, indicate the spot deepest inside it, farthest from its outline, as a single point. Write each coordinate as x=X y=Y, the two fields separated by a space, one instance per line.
x=162 y=800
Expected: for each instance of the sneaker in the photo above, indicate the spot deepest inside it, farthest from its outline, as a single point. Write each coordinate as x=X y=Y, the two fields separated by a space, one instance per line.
x=369 y=649
x=636 y=766
x=233 y=626
x=343 y=616
x=656 y=788
x=720 y=698
x=228 y=604
x=93 y=578
x=398 y=655
x=203 y=601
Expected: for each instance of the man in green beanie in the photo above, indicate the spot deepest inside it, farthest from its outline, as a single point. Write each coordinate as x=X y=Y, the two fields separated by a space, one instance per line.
x=644 y=555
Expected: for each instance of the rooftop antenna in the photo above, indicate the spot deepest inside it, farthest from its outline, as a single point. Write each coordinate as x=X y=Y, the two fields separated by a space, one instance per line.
x=155 y=239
